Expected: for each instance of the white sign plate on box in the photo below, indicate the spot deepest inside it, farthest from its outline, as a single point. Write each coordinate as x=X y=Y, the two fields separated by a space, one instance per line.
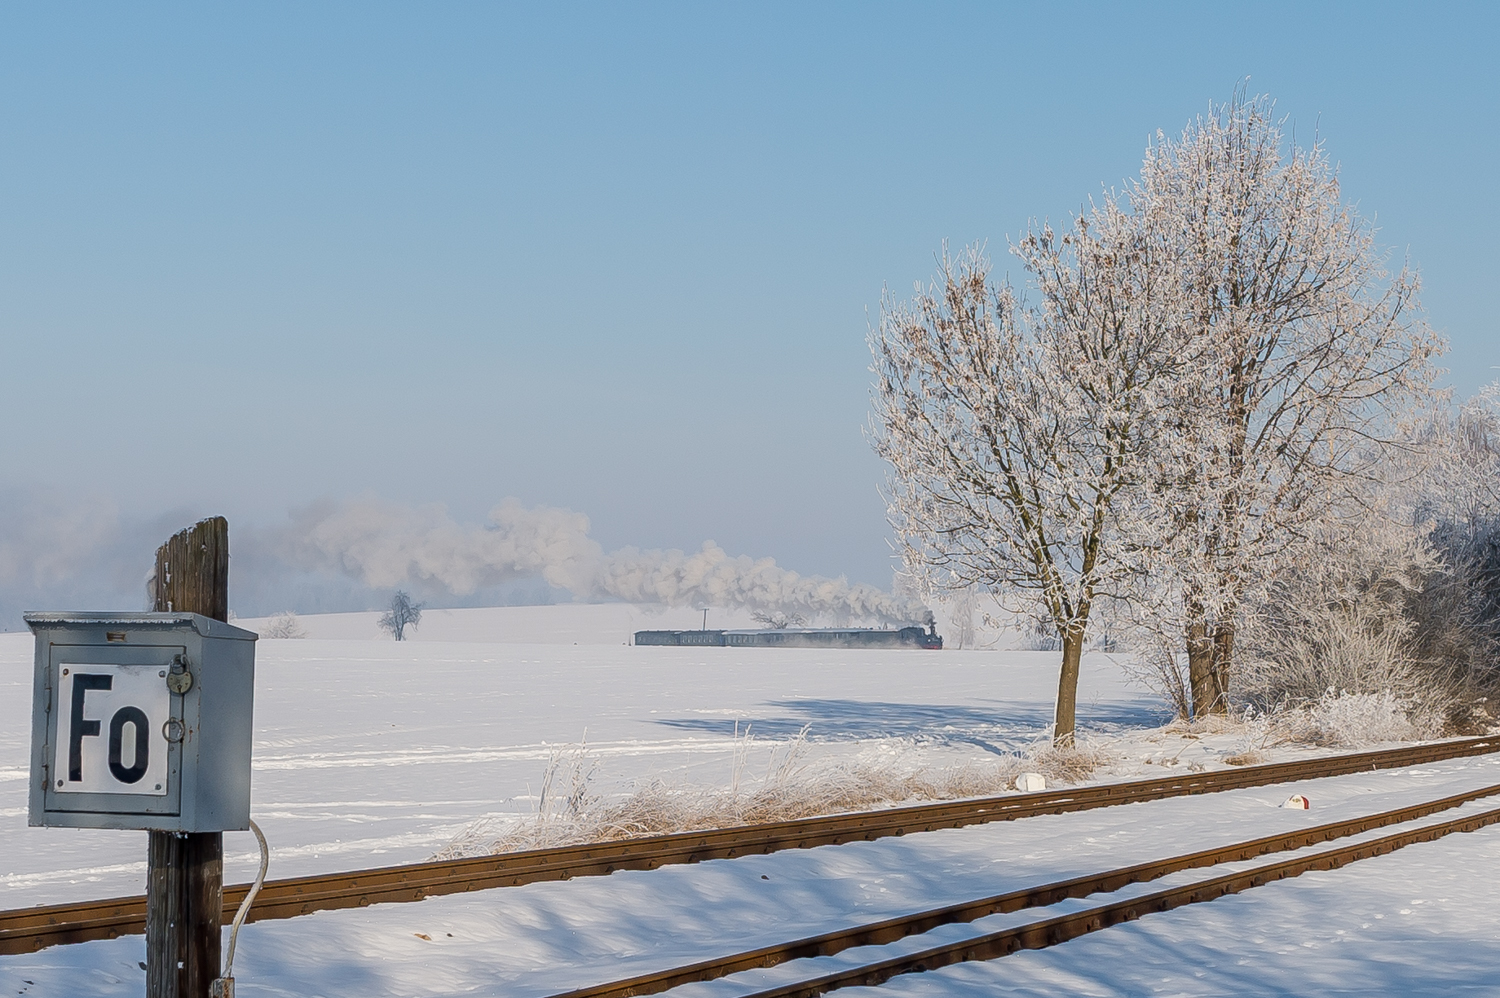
x=140 y=720
x=112 y=726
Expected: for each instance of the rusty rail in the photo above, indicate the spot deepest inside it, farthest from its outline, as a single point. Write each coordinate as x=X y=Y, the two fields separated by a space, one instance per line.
x=892 y=929
x=1059 y=929
x=24 y=930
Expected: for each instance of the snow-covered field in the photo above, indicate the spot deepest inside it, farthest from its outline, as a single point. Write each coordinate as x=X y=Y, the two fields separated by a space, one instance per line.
x=370 y=752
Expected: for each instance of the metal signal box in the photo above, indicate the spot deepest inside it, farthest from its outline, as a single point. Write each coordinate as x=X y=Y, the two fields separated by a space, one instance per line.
x=141 y=720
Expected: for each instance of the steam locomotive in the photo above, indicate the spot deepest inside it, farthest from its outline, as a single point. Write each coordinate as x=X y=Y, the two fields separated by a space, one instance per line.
x=797 y=637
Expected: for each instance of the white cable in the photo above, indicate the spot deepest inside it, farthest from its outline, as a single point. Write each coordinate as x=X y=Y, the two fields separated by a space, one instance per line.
x=239 y=916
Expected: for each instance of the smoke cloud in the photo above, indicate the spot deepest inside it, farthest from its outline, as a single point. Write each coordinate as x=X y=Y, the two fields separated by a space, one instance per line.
x=383 y=545
x=68 y=552
x=44 y=541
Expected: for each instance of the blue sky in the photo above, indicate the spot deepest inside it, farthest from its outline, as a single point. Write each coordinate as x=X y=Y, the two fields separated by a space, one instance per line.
x=616 y=258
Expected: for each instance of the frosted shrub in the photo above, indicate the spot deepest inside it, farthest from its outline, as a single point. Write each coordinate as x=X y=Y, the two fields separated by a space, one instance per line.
x=283 y=625
x=1347 y=619
x=1039 y=636
x=1161 y=667
x=1352 y=720
x=1449 y=486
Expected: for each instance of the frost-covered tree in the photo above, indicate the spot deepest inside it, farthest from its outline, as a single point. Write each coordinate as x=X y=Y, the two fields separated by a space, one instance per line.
x=283 y=625
x=1461 y=479
x=403 y=613
x=1304 y=351
x=1012 y=430
x=1454 y=495
x=1214 y=370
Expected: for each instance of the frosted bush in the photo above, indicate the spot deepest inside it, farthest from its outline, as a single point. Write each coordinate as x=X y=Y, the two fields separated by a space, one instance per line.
x=283 y=625
x=1351 y=720
x=1039 y=636
x=1358 y=618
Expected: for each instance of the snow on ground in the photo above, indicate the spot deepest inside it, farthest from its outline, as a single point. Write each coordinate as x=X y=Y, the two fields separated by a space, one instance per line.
x=1416 y=922
x=369 y=752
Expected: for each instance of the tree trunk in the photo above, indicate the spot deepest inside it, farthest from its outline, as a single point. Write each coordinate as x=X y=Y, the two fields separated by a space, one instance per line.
x=1200 y=656
x=1066 y=717
x=1223 y=657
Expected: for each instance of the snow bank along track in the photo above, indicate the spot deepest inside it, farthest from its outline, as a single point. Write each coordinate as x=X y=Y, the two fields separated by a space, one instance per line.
x=24 y=930
x=1051 y=931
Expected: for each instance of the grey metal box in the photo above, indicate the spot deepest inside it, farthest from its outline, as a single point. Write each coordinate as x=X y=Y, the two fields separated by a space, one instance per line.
x=120 y=738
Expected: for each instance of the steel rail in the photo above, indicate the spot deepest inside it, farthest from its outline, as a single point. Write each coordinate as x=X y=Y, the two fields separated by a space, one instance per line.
x=25 y=930
x=891 y=929
x=1051 y=931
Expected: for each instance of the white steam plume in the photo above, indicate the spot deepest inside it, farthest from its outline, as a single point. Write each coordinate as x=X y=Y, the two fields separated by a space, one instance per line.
x=47 y=540
x=62 y=550
x=385 y=545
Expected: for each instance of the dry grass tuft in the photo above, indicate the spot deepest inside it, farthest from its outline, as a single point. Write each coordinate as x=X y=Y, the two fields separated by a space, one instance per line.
x=1211 y=724
x=1068 y=765
x=568 y=814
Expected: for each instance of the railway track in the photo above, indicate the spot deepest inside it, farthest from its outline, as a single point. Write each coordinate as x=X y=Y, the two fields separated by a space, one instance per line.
x=1048 y=932
x=25 y=930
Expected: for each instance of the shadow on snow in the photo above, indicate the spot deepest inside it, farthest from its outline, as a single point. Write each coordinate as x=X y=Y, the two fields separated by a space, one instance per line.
x=1002 y=728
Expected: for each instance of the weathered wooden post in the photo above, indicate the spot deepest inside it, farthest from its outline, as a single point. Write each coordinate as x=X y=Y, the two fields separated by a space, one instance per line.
x=185 y=870
x=145 y=720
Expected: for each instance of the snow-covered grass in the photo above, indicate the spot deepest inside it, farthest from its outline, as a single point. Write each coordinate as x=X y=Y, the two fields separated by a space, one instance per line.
x=893 y=772
x=1417 y=922
x=885 y=775
x=1337 y=719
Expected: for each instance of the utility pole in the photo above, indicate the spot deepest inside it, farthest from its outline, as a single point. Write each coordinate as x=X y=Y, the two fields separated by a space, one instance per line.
x=185 y=871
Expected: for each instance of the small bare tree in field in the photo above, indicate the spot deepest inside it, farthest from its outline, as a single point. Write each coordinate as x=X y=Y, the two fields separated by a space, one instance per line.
x=1304 y=351
x=402 y=614
x=778 y=619
x=1011 y=432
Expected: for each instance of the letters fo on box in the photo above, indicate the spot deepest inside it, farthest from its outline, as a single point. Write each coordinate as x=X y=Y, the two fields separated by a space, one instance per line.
x=141 y=720
x=135 y=740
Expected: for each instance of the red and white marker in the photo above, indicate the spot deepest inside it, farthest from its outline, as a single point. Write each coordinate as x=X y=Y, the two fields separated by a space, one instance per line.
x=1298 y=801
